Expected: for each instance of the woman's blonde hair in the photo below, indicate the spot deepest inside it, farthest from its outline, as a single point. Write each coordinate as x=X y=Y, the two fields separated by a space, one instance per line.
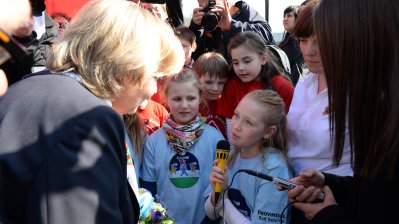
x=114 y=43
x=274 y=111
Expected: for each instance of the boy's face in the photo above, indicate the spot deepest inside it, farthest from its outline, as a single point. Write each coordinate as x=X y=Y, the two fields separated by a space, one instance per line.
x=212 y=87
x=188 y=50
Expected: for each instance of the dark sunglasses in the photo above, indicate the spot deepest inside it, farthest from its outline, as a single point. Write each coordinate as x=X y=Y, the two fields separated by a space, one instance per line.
x=10 y=48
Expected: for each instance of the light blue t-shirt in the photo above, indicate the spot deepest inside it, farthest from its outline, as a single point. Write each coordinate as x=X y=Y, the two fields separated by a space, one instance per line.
x=256 y=198
x=181 y=180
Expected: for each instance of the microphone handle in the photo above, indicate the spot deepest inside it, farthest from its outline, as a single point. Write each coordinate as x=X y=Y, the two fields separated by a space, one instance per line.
x=277 y=180
x=222 y=156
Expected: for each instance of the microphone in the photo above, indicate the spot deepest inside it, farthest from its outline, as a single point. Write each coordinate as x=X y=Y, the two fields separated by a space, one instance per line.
x=257 y=174
x=222 y=153
x=276 y=180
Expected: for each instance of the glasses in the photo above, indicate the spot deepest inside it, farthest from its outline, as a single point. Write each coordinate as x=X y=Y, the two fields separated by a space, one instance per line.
x=10 y=48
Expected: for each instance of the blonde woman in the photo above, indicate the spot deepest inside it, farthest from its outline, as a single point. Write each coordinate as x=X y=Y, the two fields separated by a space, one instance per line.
x=62 y=154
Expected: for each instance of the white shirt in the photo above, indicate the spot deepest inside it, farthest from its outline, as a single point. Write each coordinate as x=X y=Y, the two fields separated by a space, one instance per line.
x=309 y=143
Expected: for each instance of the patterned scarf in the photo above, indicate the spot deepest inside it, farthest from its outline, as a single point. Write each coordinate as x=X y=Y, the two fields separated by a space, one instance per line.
x=182 y=137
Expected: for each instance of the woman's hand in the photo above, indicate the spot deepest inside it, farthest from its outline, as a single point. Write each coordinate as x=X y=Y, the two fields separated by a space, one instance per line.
x=310 y=183
x=305 y=197
x=310 y=177
x=304 y=200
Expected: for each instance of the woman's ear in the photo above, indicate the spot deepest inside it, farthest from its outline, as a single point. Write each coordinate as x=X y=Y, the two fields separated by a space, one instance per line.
x=264 y=58
x=270 y=132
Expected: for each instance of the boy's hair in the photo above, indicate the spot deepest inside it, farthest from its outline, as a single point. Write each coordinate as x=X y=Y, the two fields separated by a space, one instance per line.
x=255 y=43
x=185 y=33
x=185 y=76
x=274 y=108
x=212 y=63
x=117 y=55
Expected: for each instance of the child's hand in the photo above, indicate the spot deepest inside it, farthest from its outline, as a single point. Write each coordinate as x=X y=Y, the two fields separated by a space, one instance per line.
x=218 y=175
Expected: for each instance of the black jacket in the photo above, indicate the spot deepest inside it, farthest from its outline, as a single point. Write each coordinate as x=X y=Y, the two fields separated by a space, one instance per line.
x=360 y=200
x=246 y=19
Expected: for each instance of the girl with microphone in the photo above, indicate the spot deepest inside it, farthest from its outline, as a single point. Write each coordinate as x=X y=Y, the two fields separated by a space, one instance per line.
x=258 y=136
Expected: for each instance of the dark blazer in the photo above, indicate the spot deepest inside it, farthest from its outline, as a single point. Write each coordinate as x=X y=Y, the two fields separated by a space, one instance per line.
x=62 y=156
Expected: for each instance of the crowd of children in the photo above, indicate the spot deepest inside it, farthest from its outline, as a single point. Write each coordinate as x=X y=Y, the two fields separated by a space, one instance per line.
x=208 y=101
x=172 y=134
x=186 y=115
x=182 y=122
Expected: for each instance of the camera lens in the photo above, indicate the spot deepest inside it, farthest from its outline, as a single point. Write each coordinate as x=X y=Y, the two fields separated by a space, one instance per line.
x=210 y=21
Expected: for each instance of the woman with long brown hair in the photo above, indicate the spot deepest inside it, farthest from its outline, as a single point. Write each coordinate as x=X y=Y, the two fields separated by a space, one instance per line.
x=359 y=45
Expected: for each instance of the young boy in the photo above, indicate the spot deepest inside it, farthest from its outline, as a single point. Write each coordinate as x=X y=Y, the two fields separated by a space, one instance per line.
x=212 y=69
x=187 y=39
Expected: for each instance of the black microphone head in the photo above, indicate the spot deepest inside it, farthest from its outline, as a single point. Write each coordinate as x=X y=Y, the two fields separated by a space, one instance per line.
x=223 y=145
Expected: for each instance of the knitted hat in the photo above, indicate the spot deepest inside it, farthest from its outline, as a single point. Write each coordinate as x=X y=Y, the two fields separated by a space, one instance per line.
x=154 y=1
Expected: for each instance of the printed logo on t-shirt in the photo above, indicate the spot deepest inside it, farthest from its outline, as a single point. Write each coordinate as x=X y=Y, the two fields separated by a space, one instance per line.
x=239 y=202
x=184 y=171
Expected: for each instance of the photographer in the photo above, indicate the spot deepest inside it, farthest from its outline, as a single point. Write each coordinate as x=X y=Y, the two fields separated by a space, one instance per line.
x=230 y=19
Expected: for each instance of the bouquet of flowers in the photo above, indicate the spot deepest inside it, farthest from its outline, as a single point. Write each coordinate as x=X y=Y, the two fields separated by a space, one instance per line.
x=151 y=211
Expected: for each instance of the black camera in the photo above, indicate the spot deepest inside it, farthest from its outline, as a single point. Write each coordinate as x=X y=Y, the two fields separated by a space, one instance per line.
x=211 y=19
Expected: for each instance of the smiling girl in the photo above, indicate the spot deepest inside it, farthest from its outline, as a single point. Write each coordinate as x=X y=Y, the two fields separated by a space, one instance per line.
x=254 y=69
x=178 y=157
